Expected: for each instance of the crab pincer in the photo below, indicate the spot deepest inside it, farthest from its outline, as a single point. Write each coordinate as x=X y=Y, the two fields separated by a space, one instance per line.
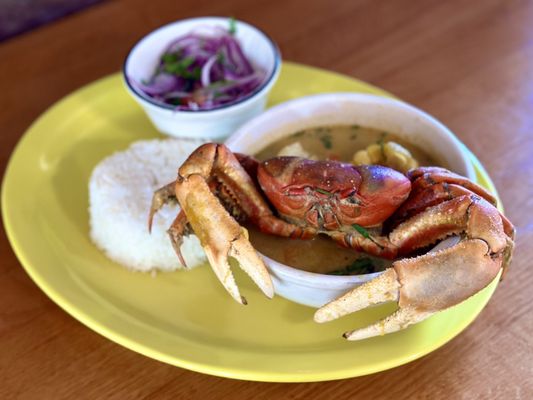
x=211 y=168
x=427 y=284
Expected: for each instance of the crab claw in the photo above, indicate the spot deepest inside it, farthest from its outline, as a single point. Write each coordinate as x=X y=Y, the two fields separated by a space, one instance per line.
x=221 y=236
x=214 y=190
x=435 y=281
x=422 y=286
x=209 y=182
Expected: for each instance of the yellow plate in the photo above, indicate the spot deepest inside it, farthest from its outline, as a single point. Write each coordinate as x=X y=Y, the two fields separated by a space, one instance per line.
x=182 y=318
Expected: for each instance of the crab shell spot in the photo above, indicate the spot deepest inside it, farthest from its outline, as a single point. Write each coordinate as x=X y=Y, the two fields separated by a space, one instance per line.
x=436 y=281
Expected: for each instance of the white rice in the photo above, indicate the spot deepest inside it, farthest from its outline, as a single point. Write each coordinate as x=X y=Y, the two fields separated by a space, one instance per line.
x=120 y=194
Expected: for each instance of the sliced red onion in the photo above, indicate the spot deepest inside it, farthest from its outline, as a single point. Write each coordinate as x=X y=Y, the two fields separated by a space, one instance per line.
x=238 y=57
x=226 y=75
x=190 y=39
x=176 y=95
x=206 y=70
x=160 y=84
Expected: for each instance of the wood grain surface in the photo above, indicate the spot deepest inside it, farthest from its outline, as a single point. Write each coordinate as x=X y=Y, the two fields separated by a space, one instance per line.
x=469 y=63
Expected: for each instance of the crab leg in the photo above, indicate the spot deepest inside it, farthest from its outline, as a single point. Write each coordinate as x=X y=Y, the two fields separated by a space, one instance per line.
x=433 y=185
x=434 y=281
x=179 y=228
x=161 y=197
x=424 y=177
x=214 y=168
x=376 y=245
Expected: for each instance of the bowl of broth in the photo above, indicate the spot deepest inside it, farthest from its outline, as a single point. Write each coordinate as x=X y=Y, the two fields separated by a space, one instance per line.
x=335 y=126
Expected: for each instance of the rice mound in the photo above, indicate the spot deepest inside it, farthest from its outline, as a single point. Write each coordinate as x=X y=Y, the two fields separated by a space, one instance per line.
x=120 y=195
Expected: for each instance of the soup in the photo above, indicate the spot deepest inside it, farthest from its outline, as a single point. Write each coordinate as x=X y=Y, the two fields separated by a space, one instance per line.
x=321 y=254
x=340 y=143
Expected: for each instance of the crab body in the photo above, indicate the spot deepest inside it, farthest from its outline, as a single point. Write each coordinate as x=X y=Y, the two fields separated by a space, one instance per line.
x=330 y=195
x=368 y=208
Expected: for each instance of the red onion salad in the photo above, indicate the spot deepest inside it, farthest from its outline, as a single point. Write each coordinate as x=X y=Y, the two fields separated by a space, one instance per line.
x=202 y=70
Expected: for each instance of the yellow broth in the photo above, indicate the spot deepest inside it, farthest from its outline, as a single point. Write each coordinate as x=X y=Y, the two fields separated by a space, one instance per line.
x=341 y=143
x=321 y=254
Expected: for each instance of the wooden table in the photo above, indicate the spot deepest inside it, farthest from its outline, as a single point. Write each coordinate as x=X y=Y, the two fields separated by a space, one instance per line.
x=468 y=63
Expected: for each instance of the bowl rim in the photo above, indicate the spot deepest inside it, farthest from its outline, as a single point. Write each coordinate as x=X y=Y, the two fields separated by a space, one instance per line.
x=244 y=129
x=314 y=279
x=267 y=83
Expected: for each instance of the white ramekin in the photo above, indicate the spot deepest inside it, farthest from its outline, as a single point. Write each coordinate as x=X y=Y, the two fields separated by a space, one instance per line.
x=214 y=124
x=394 y=116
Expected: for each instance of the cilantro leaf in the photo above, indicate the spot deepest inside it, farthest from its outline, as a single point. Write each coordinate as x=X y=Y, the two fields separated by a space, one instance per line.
x=362 y=265
x=232 y=26
x=169 y=58
x=180 y=68
x=326 y=141
x=323 y=191
x=362 y=231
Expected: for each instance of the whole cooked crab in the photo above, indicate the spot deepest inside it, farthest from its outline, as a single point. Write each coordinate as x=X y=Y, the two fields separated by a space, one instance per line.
x=369 y=208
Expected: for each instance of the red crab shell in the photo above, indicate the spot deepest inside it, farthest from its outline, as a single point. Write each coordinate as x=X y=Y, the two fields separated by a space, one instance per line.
x=329 y=194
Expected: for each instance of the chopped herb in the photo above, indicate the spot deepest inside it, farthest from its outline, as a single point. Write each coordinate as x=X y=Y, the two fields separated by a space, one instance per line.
x=363 y=265
x=175 y=101
x=381 y=139
x=180 y=67
x=298 y=134
x=362 y=231
x=232 y=26
x=187 y=61
x=169 y=57
x=355 y=127
x=322 y=129
x=353 y=136
x=196 y=73
x=326 y=141
x=323 y=191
